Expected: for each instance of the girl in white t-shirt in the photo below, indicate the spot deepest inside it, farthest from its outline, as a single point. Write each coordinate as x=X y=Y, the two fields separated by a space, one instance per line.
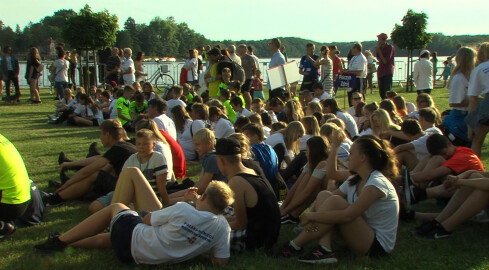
x=221 y=124
x=331 y=106
x=87 y=113
x=286 y=142
x=186 y=128
x=365 y=208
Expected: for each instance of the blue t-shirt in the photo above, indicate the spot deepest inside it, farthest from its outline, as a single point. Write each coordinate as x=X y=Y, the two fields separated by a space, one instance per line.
x=307 y=66
x=267 y=158
x=209 y=164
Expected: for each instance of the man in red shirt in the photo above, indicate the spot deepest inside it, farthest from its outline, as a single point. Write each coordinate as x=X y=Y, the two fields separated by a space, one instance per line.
x=445 y=159
x=337 y=63
x=385 y=71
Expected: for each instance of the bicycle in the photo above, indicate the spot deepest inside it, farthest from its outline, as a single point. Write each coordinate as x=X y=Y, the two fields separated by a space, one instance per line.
x=160 y=79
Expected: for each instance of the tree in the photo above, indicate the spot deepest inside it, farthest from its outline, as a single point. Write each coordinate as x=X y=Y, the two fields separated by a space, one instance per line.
x=411 y=36
x=89 y=31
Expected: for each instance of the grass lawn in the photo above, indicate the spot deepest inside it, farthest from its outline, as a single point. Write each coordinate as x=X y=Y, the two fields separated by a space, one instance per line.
x=39 y=144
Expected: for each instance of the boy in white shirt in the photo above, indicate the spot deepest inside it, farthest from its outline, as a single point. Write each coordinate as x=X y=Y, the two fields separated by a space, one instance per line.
x=177 y=92
x=237 y=105
x=171 y=235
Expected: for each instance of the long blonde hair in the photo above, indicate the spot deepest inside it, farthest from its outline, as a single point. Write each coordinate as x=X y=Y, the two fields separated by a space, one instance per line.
x=294 y=130
x=311 y=125
x=483 y=53
x=465 y=60
x=384 y=121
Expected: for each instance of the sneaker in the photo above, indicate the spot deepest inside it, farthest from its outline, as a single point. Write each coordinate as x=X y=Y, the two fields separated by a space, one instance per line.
x=6 y=229
x=409 y=190
x=319 y=255
x=92 y=150
x=288 y=219
x=49 y=199
x=52 y=117
x=286 y=251
x=52 y=244
x=438 y=233
x=62 y=158
x=54 y=184
x=426 y=227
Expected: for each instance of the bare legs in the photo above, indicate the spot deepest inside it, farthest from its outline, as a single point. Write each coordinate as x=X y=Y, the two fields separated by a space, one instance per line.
x=34 y=88
x=357 y=233
x=478 y=138
x=88 y=234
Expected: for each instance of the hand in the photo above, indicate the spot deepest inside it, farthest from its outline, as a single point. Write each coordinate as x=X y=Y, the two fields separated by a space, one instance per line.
x=450 y=183
x=191 y=194
x=337 y=137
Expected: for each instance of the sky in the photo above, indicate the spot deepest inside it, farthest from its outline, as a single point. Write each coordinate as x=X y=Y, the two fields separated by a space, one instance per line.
x=318 y=20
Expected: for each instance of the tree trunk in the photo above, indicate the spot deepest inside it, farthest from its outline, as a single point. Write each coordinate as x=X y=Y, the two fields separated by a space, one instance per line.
x=407 y=71
x=87 y=75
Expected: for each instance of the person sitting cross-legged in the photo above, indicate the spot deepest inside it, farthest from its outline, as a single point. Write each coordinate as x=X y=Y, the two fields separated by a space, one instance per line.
x=167 y=236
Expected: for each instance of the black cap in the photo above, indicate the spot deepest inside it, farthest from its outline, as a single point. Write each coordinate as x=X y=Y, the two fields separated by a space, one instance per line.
x=214 y=51
x=228 y=147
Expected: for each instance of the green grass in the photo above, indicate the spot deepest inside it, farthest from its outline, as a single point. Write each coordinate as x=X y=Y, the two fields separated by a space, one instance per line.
x=39 y=144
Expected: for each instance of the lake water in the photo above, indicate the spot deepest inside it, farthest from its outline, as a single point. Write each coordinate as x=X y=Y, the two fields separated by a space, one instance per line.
x=175 y=67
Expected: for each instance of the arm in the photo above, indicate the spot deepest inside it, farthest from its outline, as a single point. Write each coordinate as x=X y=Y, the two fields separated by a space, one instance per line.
x=368 y=196
x=147 y=219
x=204 y=181
x=119 y=114
x=240 y=221
x=403 y=147
x=423 y=177
x=161 y=186
x=85 y=172
x=79 y=163
x=473 y=102
x=332 y=171
x=301 y=197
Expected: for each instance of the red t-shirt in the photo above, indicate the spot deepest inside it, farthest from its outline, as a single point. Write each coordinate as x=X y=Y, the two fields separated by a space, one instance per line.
x=336 y=65
x=463 y=160
x=179 y=165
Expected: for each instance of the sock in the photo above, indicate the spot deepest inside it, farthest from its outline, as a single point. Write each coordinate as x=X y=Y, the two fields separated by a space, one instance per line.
x=326 y=248
x=296 y=247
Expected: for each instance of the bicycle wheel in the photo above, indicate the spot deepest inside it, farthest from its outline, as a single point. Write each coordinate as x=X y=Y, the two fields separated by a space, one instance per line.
x=164 y=81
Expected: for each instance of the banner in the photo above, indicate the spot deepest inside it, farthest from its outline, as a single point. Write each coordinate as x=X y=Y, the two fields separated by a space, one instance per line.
x=346 y=81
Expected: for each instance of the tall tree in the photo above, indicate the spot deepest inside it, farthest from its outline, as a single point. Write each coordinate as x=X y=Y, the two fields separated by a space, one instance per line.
x=411 y=35
x=89 y=31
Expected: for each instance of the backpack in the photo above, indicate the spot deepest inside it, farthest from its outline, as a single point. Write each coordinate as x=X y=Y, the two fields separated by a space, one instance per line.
x=237 y=71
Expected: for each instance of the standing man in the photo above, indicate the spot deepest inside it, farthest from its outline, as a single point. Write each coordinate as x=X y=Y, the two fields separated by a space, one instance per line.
x=60 y=68
x=249 y=66
x=252 y=54
x=423 y=73
x=308 y=68
x=357 y=66
x=276 y=60
x=10 y=69
x=232 y=54
x=385 y=71
x=337 y=64
x=113 y=67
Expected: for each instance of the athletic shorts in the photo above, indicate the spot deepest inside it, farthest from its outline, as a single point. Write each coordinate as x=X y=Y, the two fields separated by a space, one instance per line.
x=376 y=250
x=121 y=228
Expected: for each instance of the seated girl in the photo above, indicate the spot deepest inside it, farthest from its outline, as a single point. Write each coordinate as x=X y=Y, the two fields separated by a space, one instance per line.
x=331 y=106
x=365 y=208
x=186 y=127
x=222 y=126
x=310 y=182
x=87 y=113
x=285 y=142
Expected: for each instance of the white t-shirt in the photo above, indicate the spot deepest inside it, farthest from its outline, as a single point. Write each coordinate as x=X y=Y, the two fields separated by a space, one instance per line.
x=457 y=90
x=245 y=112
x=172 y=103
x=410 y=107
x=156 y=165
x=350 y=124
x=61 y=71
x=165 y=149
x=223 y=128
x=278 y=138
x=303 y=142
x=99 y=115
x=179 y=233
x=266 y=131
x=128 y=78
x=81 y=110
x=325 y=95
x=414 y=114
x=358 y=63
x=166 y=124
x=235 y=58
x=344 y=152
x=382 y=216
x=479 y=80
x=423 y=74
x=420 y=144
x=186 y=139
x=192 y=73
x=112 y=110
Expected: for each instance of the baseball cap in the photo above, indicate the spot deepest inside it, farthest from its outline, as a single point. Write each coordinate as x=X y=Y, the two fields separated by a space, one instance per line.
x=228 y=147
x=382 y=36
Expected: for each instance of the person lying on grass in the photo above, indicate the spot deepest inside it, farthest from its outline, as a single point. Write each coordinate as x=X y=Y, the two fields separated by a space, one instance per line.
x=171 y=235
x=365 y=208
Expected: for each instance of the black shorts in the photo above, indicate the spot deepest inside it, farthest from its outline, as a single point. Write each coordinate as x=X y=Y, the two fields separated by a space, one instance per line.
x=104 y=183
x=121 y=229
x=9 y=212
x=376 y=250
x=246 y=86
